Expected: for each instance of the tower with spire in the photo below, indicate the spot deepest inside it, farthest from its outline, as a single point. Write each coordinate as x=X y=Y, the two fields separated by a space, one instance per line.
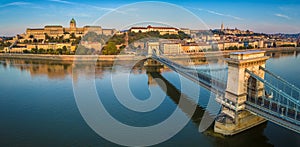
x=222 y=27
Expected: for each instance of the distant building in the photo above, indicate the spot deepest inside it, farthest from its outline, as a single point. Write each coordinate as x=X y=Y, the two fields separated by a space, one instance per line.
x=234 y=31
x=227 y=44
x=195 y=48
x=284 y=43
x=153 y=46
x=58 y=30
x=222 y=27
x=186 y=30
x=171 y=48
x=268 y=44
x=51 y=46
x=161 y=30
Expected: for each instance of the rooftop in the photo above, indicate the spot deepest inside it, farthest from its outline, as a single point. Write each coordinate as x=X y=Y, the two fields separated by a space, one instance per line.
x=53 y=26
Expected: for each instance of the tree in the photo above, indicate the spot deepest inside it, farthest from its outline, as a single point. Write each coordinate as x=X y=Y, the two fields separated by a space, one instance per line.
x=72 y=36
x=64 y=50
x=110 y=49
x=232 y=48
x=26 y=51
x=34 y=50
x=61 y=39
x=50 y=51
x=58 y=51
x=182 y=35
x=41 y=51
x=250 y=47
x=47 y=37
x=242 y=47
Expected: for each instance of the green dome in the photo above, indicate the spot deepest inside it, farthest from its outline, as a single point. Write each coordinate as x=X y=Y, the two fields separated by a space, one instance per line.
x=73 y=21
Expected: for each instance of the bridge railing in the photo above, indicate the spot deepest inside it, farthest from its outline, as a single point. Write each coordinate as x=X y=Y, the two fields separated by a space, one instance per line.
x=277 y=104
x=281 y=84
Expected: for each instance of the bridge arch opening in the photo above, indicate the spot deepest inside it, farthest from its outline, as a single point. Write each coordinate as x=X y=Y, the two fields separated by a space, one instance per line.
x=252 y=87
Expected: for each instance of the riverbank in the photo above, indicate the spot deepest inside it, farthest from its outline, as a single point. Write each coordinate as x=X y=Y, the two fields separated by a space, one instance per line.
x=129 y=57
x=72 y=57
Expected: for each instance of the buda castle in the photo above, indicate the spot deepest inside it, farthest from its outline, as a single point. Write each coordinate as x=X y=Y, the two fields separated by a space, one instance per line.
x=58 y=30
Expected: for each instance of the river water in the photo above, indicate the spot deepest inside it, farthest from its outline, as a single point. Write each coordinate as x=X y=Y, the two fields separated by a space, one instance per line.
x=38 y=107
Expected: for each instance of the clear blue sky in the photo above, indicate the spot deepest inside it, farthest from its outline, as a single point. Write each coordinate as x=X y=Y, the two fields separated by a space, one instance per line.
x=269 y=16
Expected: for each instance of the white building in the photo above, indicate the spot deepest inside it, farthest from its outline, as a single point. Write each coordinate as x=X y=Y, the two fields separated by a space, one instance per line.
x=161 y=30
x=171 y=48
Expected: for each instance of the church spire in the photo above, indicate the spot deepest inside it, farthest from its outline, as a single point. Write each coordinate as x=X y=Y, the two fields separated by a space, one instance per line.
x=222 y=27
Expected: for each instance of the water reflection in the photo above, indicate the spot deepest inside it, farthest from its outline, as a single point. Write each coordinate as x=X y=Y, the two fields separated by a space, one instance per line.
x=278 y=54
x=256 y=133
x=267 y=134
x=61 y=69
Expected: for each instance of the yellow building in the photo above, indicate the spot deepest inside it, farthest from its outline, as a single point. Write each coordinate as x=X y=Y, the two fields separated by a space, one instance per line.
x=57 y=31
x=51 y=46
x=283 y=43
x=225 y=45
x=195 y=48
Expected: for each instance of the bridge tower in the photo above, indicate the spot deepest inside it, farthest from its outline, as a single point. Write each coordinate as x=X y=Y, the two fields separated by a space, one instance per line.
x=240 y=85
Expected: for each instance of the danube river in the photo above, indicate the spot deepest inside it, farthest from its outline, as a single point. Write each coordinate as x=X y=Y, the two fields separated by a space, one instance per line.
x=38 y=107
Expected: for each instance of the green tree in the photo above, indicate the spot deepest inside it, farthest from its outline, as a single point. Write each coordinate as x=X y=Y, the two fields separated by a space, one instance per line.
x=182 y=35
x=250 y=47
x=58 y=51
x=41 y=51
x=26 y=51
x=47 y=37
x=72 y=36
x=110 y=49
x=242 y=47
x=232 y=48
x=64 y=50
x=50 y=51
x=34 y=50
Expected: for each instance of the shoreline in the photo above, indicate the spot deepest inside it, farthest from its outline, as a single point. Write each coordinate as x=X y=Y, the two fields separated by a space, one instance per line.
x=129 y=57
